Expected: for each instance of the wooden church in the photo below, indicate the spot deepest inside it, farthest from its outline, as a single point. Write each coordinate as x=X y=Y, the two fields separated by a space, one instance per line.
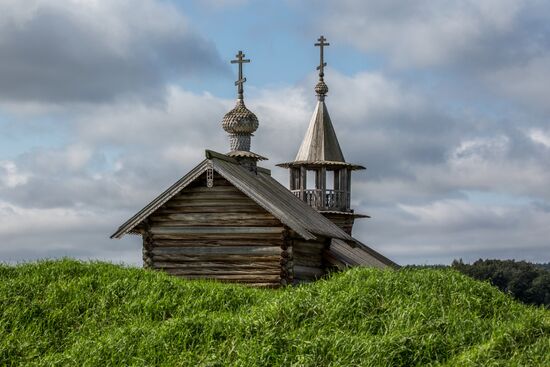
x=228 y=219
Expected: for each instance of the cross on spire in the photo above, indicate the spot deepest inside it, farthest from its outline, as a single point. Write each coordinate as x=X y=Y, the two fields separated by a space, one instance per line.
x=240 y=60
x=322 y=62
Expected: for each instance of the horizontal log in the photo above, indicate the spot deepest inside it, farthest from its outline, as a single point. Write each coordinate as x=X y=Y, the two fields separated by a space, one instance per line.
x=210 y=201
x=220 y=250
x=218 y=181
x=211 y=209
x=271 y=237
x=217 y=265
x=215 y=272
x=308 y=245
x=219 y=242
x=308 y=261
x=216 y=230
x=301 y=271
x=241 y=278
x=307 y=255
x=213 y=217
x=220 y=223
x=216 y=257
x=210 y=189
x=208 y=195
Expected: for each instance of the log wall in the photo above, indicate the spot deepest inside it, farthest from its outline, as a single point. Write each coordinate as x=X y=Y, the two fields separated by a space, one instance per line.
x=307 y=258
x=218 y=233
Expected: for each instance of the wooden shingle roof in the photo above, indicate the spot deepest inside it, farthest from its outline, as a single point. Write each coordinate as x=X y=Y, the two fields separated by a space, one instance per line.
x=343 y=255
x=320 y=142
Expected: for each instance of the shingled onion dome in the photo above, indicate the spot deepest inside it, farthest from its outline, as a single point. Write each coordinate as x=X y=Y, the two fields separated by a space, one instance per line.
x=240 y=123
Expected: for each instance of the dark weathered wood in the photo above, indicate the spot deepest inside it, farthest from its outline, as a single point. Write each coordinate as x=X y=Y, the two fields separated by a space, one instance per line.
x=309 y=245
x=216 y=257
x=229 y=250
x=213 y=195
x=214 y=236
x=243 y=278
x=215 y=220
x=218 y=242
x=227 y=204
x=286 y=261
x=219 y=233
x=213 y=217
x=216 y=230
x=256 y=273
x=211 y=209
x=218 y=265
x=147 y=248
x=305 y=271
x=316 y=261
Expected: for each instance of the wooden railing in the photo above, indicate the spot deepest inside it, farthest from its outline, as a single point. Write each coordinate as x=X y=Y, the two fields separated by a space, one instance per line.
x=329 y=200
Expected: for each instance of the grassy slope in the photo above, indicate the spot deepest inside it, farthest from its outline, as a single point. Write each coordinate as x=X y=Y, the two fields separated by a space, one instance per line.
x=72 y=313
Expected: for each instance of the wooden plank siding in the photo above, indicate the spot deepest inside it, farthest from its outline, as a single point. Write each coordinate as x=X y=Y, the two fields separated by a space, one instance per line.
x=217 y=233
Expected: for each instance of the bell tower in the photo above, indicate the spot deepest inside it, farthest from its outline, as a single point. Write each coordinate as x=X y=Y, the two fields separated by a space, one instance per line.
x=319 y=175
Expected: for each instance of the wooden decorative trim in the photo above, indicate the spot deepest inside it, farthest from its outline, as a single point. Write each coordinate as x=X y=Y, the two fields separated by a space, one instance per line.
x=209 y=175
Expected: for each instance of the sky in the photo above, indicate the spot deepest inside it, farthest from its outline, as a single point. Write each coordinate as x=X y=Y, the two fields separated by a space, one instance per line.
x=106 y=103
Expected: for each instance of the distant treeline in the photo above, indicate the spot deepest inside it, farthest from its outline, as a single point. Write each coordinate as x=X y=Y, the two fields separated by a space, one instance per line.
x=529 y=283
x=543 y=266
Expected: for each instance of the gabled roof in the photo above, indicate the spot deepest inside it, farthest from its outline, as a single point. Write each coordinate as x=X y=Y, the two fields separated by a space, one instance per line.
x=261 y=188
x=320 y=142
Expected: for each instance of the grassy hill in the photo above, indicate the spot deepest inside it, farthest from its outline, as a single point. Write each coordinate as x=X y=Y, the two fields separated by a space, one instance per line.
x=96 y=314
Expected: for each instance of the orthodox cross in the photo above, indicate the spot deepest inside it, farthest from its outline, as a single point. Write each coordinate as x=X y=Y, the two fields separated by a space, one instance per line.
x=240 y=60
x=322 y=63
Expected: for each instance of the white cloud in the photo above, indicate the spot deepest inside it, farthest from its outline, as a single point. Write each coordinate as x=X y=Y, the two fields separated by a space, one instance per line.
x=527 y=82
x=439 y=231
x=95 y=51
x=10 y=175
x=424 y=33
x=540 y=136
x=30 y=233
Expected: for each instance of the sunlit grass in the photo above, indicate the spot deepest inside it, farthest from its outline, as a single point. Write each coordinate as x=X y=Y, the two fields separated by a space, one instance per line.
x=97 y=314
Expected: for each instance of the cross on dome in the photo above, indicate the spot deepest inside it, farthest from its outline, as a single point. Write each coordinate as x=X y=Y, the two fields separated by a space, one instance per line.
x=321 y=44
x=321 y=88
x=240 y=60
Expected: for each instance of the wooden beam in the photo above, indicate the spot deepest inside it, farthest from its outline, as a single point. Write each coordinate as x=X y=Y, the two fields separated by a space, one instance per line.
x=303 y=181
x=219 y=242
x=241 y=278
x=216 y=257
x=216 y=230
x=229 y=250
x=322 y=172
x=336 y=184
x=217 y=265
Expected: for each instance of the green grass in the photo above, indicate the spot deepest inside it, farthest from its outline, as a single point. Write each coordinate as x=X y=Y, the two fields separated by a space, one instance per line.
x=96 y=314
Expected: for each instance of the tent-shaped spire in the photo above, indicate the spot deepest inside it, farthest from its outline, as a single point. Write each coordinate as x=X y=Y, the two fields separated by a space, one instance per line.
x=320 y=142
